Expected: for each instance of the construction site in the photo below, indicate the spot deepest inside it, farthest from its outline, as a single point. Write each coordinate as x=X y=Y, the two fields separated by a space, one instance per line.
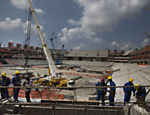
x=64 y=82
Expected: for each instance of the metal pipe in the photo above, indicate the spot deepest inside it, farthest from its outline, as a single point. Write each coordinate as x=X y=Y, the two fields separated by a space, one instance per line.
x=66 y=88
x=68 y=103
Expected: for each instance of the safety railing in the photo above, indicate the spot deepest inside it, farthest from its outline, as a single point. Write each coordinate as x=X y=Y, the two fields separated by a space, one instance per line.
x=77 y=105
x=38 y=90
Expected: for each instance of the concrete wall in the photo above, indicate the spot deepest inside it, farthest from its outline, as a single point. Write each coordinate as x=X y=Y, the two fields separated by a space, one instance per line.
x=74 y=110
x=65 y=111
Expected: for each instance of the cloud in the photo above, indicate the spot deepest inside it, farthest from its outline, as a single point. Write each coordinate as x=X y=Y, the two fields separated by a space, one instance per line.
x=97 y=40
x=10 y=24
x=127 y=46
x=115 y=44
x=73 y=33
x=40 y=11
x=99 y=16
x=145 y=42
x=73 y=22
x=23 y=4
x=81 y=46
x=124 y=46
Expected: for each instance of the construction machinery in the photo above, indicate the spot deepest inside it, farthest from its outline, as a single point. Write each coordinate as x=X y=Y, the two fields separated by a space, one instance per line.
x=54 y=78
x=27 y=41
x=55 y=56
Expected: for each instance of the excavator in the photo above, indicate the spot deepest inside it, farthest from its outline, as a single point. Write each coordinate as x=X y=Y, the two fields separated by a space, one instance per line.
x=54 y=79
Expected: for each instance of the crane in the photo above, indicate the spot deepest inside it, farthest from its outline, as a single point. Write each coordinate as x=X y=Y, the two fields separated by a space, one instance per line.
x=45 y=49
x=62 y=51
x=54 y=79
x=27 y=41
x=53 y=37
x=56 y=57
x=59 y=57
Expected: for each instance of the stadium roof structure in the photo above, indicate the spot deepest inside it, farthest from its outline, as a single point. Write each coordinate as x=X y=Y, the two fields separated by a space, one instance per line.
x=88 y=53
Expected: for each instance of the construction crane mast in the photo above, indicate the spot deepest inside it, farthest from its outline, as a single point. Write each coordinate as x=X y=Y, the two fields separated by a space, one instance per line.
x=62 y=51
x=45 y=49
x=53 y=37
x=27 y=41
x=56 y=57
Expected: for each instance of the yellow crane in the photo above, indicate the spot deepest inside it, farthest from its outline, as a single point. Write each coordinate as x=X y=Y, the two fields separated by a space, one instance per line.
x=54 y=79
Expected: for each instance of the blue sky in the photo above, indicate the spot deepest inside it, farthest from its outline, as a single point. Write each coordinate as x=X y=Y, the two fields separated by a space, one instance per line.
x=79 y=24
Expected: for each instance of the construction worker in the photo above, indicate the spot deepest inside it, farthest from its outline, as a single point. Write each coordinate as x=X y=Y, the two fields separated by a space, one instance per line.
x=128 y=90
x=4 y=82
x=28 y=82
x=112 y=91
x=16 y=81
x=101 y=92
x=140 y=93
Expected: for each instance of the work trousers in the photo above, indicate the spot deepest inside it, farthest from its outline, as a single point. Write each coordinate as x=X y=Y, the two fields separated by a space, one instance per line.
x=28 y=96
x=101 y=96
x=16 y=92
x=127 y=97
x=111 y=100
x=4 y=93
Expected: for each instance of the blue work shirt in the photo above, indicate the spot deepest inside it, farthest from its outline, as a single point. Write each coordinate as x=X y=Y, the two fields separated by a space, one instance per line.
x=16 y=81
x=5 y=81
x=129 y=89
x=101 y=90
x=141 y=92
x=112 y=83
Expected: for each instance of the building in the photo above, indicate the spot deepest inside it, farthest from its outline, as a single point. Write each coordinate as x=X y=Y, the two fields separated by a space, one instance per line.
x=119 y=56
x=141 y=56
x=87 y=55
x=18 y=51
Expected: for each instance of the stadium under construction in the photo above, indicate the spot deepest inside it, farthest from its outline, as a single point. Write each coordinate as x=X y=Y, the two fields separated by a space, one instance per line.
x=64 y=82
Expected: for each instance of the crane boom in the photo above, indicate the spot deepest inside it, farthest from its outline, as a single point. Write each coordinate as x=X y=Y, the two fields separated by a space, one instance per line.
x=45 y=49
x=29 y=27
x=27 y=41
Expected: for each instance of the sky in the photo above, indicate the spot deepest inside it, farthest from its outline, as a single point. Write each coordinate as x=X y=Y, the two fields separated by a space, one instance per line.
x=78 y=24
